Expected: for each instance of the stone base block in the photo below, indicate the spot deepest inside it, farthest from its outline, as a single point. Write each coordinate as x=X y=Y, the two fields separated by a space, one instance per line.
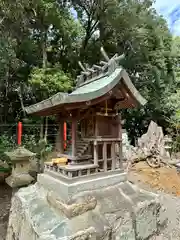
x=19 y=180
x=66 y=188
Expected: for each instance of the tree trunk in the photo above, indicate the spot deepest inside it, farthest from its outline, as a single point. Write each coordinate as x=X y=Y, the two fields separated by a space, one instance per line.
x=44 y=52
x=44 y=65
x=21 y=101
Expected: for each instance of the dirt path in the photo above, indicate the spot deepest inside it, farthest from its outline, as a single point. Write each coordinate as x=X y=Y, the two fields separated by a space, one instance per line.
x=5 y=203
x=161 y=179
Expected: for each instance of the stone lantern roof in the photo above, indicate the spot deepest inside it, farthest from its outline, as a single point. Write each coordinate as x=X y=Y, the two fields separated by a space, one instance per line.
x=20 y=154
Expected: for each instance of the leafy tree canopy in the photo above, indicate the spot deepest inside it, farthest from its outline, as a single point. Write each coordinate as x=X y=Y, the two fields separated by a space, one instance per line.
x=41 y=42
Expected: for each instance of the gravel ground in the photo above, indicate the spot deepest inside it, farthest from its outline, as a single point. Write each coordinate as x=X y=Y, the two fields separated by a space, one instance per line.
x=5 y=203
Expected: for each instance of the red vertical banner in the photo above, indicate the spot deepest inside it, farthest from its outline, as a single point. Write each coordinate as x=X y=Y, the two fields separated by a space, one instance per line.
x=19 y=136
x=65 y=135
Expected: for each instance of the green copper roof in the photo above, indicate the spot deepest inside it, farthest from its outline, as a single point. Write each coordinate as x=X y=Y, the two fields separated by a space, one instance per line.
x=91 y=88
x=98 y=84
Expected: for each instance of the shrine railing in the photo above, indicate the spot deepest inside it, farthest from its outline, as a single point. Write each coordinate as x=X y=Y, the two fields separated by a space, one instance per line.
x=107 y=153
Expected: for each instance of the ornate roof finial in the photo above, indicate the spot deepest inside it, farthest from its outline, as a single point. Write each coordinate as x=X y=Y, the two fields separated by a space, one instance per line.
x=97 y=67
x=118 y=58
x=106 y=67
x=81 y=66
x=104 y=54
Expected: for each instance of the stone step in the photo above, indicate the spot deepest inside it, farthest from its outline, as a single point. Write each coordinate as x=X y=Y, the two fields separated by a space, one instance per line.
x=78 y=148
x=80 y=143
x=81 y=148
x=83 y=158
x=78 y=153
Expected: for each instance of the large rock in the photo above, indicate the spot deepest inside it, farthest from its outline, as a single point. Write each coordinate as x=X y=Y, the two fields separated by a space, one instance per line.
x=154 y=136
x=116 y=212
x=151 y=147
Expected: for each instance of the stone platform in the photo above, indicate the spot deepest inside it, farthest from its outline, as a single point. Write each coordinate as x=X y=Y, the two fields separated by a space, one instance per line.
x=116 y=210
x=68 y=187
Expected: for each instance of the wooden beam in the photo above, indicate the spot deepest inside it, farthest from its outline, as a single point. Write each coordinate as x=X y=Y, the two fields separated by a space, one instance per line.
x=103 y=63
x=103 y=139
x=106 y=115
x=81 y=66
x=97 y=67
x=86 y=73
x=92 y=102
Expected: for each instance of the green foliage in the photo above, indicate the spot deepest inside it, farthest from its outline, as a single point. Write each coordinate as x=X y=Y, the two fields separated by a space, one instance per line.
x=172 y=102
x=43 y=149
x=49 y=81
x=7 y=144
x=41 y=43
x=174 y=131
x=40 y=147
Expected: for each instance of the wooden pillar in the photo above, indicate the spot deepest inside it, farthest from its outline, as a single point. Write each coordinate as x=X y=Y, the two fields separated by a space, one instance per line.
x=105 y=156
x=113 y=156
x=95 y=153
x=74 y=136
x=60 y=137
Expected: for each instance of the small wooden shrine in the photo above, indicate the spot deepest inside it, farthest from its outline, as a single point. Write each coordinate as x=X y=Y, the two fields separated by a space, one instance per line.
x=93 y=111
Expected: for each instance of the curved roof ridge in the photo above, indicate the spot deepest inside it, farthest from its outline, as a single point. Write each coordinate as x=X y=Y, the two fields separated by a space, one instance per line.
x=88 y=92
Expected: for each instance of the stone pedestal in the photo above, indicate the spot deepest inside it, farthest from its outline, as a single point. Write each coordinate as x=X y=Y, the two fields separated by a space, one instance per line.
x=100 y=207
x=66 y=188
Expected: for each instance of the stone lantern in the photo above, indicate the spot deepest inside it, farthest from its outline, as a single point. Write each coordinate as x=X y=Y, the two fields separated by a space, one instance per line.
x=168 y=145
x=20 y=159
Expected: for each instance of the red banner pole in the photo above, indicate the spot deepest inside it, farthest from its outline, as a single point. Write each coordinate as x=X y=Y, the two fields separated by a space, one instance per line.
x=19 y=137
x=65 y=135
